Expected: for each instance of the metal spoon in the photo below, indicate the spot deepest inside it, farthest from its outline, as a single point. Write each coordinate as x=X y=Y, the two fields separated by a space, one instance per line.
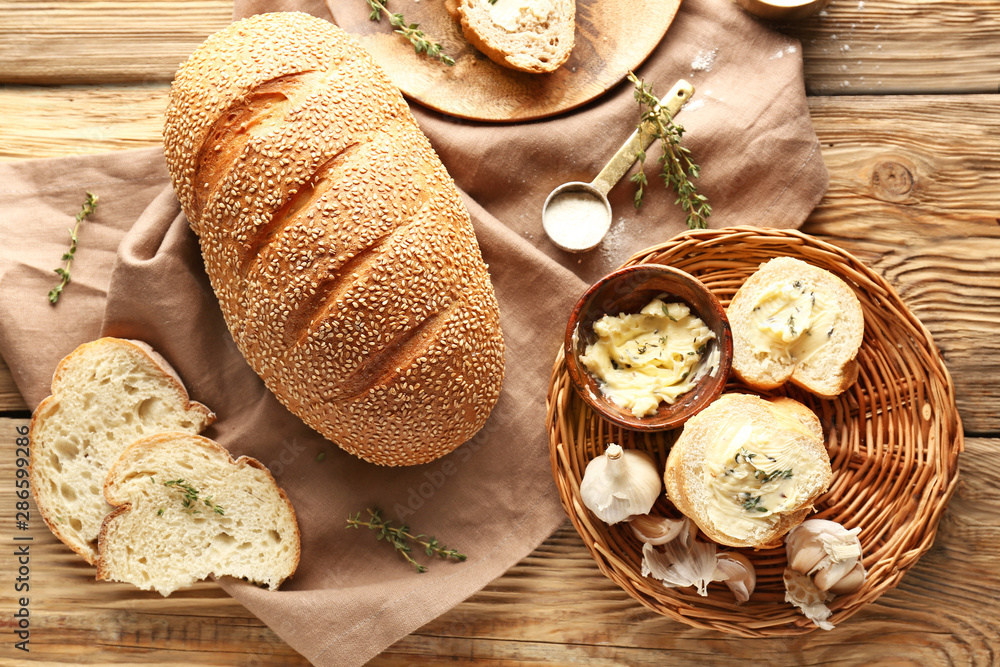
x=576 y=215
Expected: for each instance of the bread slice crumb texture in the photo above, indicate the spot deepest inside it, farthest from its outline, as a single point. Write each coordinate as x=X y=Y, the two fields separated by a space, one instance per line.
x=105 y=395
x=186 y=509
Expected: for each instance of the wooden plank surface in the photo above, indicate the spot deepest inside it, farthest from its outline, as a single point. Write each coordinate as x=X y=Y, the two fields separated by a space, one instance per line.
x=913 y=192
x=853 y=47
x=554 y=607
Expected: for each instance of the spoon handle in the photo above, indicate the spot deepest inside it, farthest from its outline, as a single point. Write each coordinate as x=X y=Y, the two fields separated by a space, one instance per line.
x=640 y=139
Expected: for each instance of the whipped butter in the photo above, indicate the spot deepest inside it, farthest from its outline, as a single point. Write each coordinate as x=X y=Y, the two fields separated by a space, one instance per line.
x=791 y=322
x=516 y=15
x=751 y=478
x=650 y=357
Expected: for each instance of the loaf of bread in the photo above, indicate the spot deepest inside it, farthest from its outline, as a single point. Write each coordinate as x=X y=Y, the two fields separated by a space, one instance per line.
x=339 y=247
x=105 y=395
x=795 y=321
x=747 y=470
x=534 y=36
x=185 y=509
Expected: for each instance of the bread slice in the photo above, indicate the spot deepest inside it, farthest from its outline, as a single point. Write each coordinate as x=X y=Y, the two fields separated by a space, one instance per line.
x=794 y=321
x=747 y=470
x=533 y=36
x=186 y=509
x=105 y=394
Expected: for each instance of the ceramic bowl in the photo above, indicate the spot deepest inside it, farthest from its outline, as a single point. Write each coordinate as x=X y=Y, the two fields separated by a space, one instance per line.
x=628 y=290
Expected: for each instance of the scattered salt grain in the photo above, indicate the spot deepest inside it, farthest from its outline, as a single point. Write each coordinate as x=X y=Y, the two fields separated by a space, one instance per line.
x=694 y=105
x=704 y=60
x=791 y=48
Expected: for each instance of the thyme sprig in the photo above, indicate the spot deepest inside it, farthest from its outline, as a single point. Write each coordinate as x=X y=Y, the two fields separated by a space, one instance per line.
x=89 y=206
x=400 y=538
x=410 y=31
x=677 y=167
x=191 y=497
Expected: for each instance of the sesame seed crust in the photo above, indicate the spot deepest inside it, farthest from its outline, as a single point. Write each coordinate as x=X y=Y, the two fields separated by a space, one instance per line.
x=340 y=250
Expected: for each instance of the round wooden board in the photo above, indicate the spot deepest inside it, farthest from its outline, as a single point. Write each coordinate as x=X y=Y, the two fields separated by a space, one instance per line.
x=611 y=39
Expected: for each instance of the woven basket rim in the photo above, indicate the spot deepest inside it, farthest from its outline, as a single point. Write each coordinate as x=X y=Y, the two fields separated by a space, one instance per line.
x=887 y=435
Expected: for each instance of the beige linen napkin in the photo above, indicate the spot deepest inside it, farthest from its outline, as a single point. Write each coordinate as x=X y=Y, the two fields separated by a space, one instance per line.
x=138 y=274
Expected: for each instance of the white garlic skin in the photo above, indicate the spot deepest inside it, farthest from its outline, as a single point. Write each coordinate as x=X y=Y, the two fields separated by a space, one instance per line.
x=802 y=592
x=738 y=573
x=619 y=484
x=827 y=552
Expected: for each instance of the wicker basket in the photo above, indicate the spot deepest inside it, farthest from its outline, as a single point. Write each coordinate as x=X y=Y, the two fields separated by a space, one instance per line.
x=893 y=438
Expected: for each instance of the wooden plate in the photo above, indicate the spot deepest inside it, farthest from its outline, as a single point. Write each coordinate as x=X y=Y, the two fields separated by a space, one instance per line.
x=611 y=39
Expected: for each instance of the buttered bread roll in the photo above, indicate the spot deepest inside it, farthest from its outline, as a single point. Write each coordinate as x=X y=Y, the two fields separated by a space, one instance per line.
x=795 y=321
x=339 y=248
x=747 y=470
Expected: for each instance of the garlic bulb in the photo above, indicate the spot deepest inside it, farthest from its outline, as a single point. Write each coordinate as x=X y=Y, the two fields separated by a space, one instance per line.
x=739 y=574
x=801 y=592
x=620 y=484
x=827 y=552
x=658 y=530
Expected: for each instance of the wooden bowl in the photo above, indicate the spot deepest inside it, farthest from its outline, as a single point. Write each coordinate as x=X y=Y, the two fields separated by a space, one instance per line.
x=628 y=290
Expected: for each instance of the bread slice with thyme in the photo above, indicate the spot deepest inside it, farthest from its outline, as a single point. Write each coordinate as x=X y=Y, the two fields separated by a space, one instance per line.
x=105 y=394
x=747 y=470
x=534 y=36
x=186 y=509
x=793 y=321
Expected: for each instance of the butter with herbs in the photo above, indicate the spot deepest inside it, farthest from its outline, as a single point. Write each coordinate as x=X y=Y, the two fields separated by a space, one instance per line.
x=751 y=478
x=654 y=356
x=791 y=322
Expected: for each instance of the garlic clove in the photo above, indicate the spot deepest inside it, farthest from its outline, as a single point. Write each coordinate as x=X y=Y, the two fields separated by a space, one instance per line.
x=658 y=530
x=801 y=592
x=738 y=573
x=825 y=550
x=850 y=582
x=678 y=566
x=804 y=558
x=619 y=484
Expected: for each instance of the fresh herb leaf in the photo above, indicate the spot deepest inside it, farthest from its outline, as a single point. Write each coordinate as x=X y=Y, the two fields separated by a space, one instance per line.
x=677 y=167
x=751 y=503
x=410 y=31
x=89 y=206
x=400 y=538
x=191 y=498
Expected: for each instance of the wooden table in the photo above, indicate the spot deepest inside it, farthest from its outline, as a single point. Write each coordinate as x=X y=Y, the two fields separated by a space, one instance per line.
x=904 y=96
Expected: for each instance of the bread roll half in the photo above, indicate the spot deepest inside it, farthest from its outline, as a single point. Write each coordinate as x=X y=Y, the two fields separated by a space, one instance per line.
x=747 y=470
x=339 y=248
x=795 y=321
